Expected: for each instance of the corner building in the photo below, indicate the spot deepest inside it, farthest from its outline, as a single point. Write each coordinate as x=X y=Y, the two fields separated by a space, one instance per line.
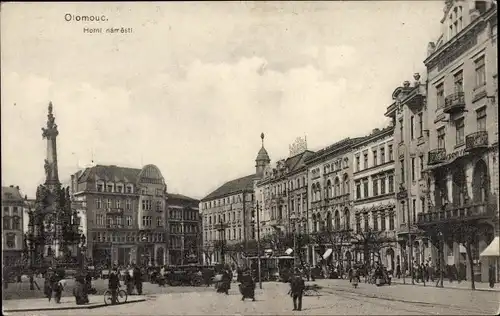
x=124 y=211
x=463 y=123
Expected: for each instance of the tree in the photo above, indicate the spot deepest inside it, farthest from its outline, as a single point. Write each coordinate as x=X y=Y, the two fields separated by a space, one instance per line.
x=338 y=239
x=371 y=242
x=208 y=250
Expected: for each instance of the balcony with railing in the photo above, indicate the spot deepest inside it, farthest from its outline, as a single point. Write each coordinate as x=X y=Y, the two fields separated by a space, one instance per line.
x=472 y=211
x=477 y=140
x=454 y=102
x=436 y=156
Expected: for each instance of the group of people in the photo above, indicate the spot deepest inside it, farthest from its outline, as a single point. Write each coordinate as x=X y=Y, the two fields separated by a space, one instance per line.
x=53 y=285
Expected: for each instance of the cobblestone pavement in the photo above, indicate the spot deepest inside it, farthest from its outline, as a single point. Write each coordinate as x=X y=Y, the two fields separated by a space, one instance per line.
x=338 y=298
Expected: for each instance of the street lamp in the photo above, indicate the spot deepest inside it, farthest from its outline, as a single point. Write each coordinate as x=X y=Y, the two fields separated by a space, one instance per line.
x=293 y=218
x=257 y=211
x=441 y=258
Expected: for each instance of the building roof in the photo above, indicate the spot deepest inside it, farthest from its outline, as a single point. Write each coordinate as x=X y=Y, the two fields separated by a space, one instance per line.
x=232 y=187
x=11 y=193
x=175 y=196
x=331 y=149
x=109 y=173
x=298 y=161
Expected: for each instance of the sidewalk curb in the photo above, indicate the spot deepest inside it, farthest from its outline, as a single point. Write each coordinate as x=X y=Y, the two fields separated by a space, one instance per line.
x=55 y=308
x=432 y=284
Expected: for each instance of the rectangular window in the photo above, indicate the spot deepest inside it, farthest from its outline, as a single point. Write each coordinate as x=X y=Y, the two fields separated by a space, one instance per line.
x=422 y=205
x=413 y=171
x=402 y=168
x=358 y=225
x=129 y=220
x=414 y=210
x=391 y=158
x=358 y=164
x=458 y=80
x=128 y=204
x=421 y=163
x=365 y=188
x=358 y=190
x=412 y=127
x=367 y=224
x=391 y=184
x=440 y=95
x=480 y=72
x=441 y=137
x=6 y=210
x=108 y=204
x=118 y=204
x=98 y=204
x=401 y=131
x=382 y=155
x=375 y=187
x=159 y=222
x=375 y=221
x=382 y=222
x=365 y=160
x=460 y=129
x=403 y=212
x=481 y=120
x=391 y=221
x=420 y=124
x=375 y=158
x=382 y=186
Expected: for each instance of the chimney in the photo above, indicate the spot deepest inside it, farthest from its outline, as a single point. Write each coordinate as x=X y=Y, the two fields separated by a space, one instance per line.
x=416 y=76
x=11 y=186
x=406 y=84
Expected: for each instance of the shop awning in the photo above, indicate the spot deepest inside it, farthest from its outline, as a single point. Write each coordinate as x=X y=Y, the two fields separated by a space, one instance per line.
x=493 y=249
x=289 y=251
x=327 y=253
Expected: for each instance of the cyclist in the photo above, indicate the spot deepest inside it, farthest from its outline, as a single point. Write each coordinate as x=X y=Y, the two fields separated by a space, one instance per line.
x=113 y=285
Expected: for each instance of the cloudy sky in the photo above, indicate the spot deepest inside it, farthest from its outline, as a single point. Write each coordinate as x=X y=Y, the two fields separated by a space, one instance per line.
x=194 y=85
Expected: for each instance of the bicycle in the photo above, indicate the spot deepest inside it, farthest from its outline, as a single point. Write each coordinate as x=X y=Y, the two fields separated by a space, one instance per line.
x=121 y=297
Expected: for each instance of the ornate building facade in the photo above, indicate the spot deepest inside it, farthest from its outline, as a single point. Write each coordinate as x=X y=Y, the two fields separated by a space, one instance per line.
x=374 y=194
x=409 y=118
x=13 y=207
x=463 y=140
x=330 y=197
x=281 y=193
x=124 y=212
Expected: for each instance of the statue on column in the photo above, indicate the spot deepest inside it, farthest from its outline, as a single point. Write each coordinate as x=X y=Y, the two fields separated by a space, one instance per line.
x=47 y=168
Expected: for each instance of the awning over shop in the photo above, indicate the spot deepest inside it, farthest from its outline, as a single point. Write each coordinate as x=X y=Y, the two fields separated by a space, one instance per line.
x=327 y=253
x=289 y=251
x=493 y=249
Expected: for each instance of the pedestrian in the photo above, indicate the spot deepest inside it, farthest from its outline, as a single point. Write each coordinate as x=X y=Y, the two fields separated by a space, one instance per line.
x=48 y=283
x=113 y=285
x=491 y=275
x=297 y=286
x=247 y=286
x=398 y=271
x=58 y=289
x=80 y=291
x=138 y=279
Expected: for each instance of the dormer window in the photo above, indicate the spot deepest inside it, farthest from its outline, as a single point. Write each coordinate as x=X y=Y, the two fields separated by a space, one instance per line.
x=129 y=188
x=119 y=188
x=109 y=188
x=100 y=187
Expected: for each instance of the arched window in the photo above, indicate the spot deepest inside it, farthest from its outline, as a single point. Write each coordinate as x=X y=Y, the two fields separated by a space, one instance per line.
x=337 y=220
x=480 y=182
x=337 y=187
x=298 y=183
x=313 y=193
x=6 y=222
x=459 y=186
x=328 y=189
x=347 y=219
x=346 y=184
x=329 y=223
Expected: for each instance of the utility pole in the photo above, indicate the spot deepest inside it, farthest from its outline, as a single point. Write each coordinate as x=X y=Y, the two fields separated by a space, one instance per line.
x=410 y=241
x=257 y=210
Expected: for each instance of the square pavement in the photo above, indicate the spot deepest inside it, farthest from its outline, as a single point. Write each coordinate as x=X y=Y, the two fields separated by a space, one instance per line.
x=66 y=303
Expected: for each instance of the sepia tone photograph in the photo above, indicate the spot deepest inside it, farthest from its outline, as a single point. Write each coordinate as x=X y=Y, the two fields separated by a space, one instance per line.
x=250 y=158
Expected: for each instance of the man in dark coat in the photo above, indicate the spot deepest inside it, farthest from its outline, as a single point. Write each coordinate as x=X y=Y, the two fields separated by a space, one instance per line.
x=113 y=285
x=48 y=284
x=247 y=286
x=138 y=280
x=80 y=290
x=297 y=286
